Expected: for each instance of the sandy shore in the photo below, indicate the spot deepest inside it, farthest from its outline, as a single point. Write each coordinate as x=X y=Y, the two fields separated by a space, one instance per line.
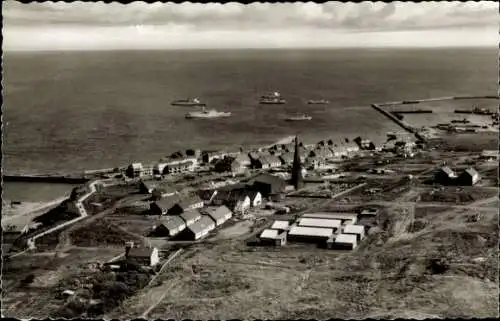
x=23 y=213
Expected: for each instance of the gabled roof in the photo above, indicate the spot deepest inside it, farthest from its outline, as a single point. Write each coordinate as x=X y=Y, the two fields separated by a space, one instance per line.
x=252 y=194
x=190 y=215
x=168 y=202
x=287 y=157
x=269 y=179
x=204 y=223
x=470 y=171
x=189 y=200
x=269 y=159
x=172 y=222
x=218 y=212
x=141 y=252
x=243 y=158
x=448 y=171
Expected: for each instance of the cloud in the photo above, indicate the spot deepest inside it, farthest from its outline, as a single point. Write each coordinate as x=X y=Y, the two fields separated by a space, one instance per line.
x=283 y=19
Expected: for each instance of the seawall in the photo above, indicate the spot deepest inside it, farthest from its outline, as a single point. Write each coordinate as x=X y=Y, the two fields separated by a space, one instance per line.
x=45 y=179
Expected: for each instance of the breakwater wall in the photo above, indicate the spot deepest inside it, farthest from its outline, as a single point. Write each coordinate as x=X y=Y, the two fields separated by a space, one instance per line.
x=35 y=178
x=396 y=120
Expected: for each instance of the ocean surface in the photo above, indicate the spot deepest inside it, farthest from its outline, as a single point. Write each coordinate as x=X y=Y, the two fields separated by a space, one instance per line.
x=85 y=110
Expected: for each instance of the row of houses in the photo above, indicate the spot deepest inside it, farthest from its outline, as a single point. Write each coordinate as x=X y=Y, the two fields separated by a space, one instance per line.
x=335 y=230
x=446 y=176
x=192 y=225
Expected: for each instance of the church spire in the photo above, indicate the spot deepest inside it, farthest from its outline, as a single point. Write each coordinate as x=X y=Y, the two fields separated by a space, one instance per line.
x=297 y=179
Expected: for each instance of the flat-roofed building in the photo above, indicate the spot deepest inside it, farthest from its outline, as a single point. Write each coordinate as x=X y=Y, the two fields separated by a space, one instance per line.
x=280 y=225
x=358 y=230
x=344 y=242
x=318 y=222
x=346 y=218
x=273 y=237
x=309 y=234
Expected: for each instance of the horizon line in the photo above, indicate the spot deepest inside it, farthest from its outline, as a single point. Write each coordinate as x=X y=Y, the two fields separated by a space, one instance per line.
x=5 y=50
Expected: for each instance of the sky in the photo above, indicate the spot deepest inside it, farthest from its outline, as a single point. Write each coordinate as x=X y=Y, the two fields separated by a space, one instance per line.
x=140 y=26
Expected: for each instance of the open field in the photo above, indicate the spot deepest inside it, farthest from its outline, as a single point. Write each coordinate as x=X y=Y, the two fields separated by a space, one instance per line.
x=40 y=298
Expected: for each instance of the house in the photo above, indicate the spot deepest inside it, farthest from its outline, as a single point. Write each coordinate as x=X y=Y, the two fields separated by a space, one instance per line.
x=219 y=214
x=191 y=202
x=237 y=168
x=209 y=157
x=358 y=230
x=345 y=241
x=316 y=163
x=286 y=158
x=309 y=234
x=445 y=176
x=280 y=225
x=266 y=162
x=165 y=205
x=321 y=153
x=160 y=189
x=469 y=177
x=272 y=237
x=169 y=226
x=134 y=170
x=318 y=222
x=255 y=198
x=147 y=256
x=200 y=228
x=339 y=150
x=176 y=168
x=189 y=217
x=237 y=200
x=244 y=160
x=268 y=184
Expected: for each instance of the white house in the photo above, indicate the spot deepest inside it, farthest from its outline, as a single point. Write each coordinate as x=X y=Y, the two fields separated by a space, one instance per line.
x=255 y=198
x=346 y=241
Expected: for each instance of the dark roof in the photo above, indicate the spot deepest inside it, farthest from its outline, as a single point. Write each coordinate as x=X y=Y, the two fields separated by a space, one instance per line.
x=470 y=171
x=205 y=194
x=202 y=224
x=231 y=196
x=168 y=202
x=218 y=212
x=252 y=194
x=140 y=252
x=172 y=222
x=190 y=215
x=269 y=179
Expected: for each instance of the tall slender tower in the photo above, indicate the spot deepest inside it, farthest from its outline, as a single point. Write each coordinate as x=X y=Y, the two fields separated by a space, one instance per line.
x=297 y=179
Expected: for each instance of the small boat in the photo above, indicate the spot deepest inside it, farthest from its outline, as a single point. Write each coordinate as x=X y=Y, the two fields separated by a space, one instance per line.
x=463 y=121
x=298 y=117
x=207 y=114
x=272 y=99
x=318 y=102
x=195 y=102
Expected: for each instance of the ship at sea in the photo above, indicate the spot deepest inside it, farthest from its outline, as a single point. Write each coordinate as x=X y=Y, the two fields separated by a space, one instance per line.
x=476 y=111
x=318 y=102
x=272 y=99
x=298 y=117
x=212 y=113
x=189 y=102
